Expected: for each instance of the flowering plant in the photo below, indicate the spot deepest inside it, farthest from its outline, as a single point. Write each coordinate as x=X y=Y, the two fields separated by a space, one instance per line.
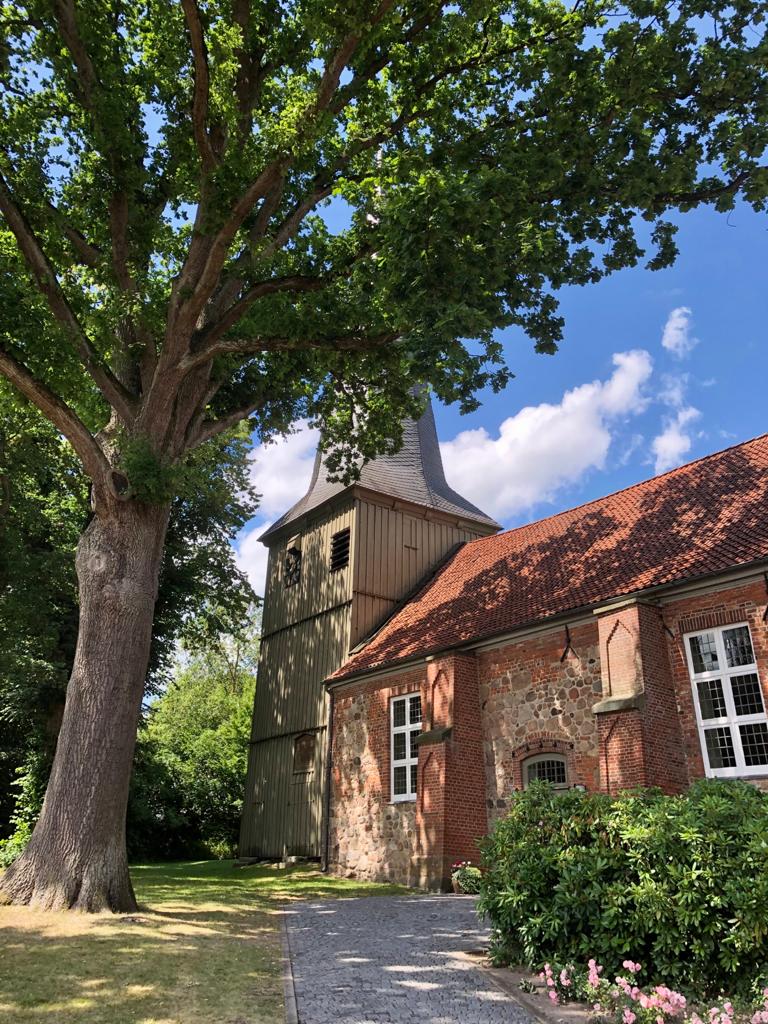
x=624 y=1001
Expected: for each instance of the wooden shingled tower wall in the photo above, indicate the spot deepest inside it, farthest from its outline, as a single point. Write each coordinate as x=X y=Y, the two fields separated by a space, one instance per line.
x=339 y=563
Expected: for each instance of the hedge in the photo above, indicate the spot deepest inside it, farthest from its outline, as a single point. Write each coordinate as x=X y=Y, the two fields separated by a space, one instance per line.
x=679 y=883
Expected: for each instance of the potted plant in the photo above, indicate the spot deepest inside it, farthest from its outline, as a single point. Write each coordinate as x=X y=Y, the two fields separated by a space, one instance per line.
x=465 y=877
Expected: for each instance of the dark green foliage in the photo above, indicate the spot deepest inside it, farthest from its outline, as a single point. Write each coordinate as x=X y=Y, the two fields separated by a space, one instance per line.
x=679 y=884
x=43 y=506
x=191 y=758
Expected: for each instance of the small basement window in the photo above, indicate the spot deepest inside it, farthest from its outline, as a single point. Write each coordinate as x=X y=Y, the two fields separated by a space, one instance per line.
x=304 y=753
x=405 y=726
x=292 y=567
x=728 y=694
x=549 y=768
x=340 y=550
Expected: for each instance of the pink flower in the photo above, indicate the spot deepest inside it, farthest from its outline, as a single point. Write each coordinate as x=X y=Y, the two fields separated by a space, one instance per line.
x=628 y=1017
x=552 y=995
x=595 y=970
x=633 y=968
x=565 y=981
x=596 y=1007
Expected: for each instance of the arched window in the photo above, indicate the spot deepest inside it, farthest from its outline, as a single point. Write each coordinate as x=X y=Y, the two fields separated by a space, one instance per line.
x=549 y=768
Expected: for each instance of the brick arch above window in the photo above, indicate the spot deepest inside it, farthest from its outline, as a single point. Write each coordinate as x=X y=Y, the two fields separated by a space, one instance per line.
x=537 y=745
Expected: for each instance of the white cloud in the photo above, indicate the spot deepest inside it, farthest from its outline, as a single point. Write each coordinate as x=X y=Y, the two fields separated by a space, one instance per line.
x=280 y=472
x=251 y=556
x=545 y=447
x=671 y=446
x=673 y=389
x=676 y=336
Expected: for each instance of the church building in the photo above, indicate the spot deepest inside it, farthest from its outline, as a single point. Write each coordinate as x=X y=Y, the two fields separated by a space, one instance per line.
x=419 y=667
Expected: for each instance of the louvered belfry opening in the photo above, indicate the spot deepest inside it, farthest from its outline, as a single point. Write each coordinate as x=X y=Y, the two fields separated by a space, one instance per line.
x=340 y=550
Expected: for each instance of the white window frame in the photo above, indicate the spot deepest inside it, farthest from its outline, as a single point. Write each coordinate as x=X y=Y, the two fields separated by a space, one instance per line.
x=536 y=759
x=730 y=720
x=408 y=762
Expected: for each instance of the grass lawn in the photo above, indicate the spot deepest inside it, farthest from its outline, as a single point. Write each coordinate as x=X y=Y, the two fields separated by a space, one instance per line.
x=203 y=949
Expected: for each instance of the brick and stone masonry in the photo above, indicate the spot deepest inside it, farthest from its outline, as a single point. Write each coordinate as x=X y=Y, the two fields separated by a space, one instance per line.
x=611 y=695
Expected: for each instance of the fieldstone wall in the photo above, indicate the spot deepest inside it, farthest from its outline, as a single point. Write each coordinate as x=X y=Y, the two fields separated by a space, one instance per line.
x=536 y=697
x=370 y=837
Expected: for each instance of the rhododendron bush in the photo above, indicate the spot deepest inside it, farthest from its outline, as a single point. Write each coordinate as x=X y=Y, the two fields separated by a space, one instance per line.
x=679 y=883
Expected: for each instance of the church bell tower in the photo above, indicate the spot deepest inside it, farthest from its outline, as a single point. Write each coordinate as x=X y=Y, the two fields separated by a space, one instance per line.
x=339 y=562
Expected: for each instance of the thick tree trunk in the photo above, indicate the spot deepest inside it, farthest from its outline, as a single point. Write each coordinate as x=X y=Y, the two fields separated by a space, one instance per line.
x=77 y=857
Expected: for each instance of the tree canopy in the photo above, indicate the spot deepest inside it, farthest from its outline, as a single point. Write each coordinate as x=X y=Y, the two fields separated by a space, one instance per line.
x=162 y=165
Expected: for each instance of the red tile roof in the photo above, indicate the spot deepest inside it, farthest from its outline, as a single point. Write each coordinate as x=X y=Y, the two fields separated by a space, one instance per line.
x=704 y=518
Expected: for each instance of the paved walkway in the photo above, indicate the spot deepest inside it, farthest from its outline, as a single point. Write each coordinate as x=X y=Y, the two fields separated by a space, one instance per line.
x=393 y=960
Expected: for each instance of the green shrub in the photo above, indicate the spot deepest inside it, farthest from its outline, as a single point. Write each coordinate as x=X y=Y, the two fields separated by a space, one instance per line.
x=678 y=883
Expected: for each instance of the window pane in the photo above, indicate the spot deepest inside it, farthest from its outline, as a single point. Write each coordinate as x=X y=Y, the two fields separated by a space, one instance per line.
x=746 y=695
x=720 y=748
x=551 y=770
x=704 y=653
x=754 y=741
x=401 y=781
x=398 y=712
x=415 y=710
x=711 y=699
x=414 y=748
x=414 y=771
x=398 y=746
x=738 y=647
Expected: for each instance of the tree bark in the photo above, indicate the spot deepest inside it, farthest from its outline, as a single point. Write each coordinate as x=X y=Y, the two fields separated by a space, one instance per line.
x=77 y=855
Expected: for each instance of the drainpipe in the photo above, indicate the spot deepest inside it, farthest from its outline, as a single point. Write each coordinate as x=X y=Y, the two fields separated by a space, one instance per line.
x=327 y=794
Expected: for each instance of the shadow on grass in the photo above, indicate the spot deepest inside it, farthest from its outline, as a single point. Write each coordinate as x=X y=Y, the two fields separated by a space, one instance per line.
x=202 y=948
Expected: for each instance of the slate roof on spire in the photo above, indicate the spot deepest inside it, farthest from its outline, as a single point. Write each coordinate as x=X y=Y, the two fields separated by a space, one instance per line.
x=414 y=474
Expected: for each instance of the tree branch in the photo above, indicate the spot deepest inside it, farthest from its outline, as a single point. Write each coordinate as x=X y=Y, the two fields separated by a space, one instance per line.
x=245 y=346
x=211 y=428
x=47 y=282
x=205 y=343
x=90 y=254
x=59 y=413
x=202 y=84
x=206 y=258
x=87 y=84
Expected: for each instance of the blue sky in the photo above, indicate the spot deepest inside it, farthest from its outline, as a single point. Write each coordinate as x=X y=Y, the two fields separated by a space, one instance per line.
x=615 y=405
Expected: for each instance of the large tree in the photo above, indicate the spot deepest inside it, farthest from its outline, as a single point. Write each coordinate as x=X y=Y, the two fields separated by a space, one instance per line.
x=43 y=510
x=165 y=272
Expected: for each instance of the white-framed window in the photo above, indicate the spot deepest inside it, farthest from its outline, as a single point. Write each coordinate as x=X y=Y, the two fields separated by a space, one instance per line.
x=405 y=726
x=730 y=710
x=549 y=768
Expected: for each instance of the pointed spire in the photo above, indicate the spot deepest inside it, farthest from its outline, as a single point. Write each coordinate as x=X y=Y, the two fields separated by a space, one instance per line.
x=414 y=474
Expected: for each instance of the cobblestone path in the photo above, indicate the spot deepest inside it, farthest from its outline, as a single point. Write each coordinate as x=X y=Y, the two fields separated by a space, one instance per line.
x=393 y=960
